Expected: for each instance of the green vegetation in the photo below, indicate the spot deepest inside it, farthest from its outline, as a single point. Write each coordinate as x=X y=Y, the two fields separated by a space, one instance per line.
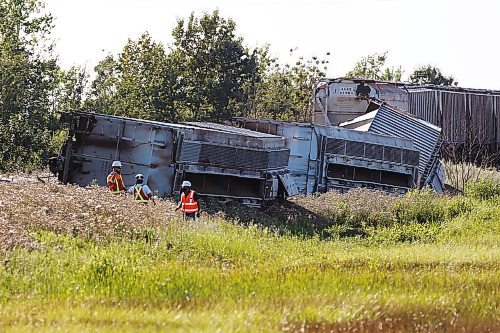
x=208 y=73
x=82 y=259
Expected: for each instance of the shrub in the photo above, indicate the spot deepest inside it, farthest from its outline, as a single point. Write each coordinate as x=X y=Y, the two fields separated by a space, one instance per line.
x=420 y=206
x=456 y=206
x=354 y=209
x=407 y=233
x=483 y=189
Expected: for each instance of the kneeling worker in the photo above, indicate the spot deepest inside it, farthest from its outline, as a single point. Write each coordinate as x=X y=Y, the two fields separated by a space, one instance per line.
x=190 y=201
x=142 y=193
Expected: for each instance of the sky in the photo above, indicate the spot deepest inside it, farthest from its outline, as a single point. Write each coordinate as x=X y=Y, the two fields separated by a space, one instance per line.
x=462 y=38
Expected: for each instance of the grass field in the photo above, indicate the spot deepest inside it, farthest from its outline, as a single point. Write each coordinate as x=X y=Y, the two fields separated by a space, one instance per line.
x=74 y=259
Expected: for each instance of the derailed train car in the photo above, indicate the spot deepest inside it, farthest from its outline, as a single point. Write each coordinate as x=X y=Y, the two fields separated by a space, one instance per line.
x=257 y=161
x=386 y=148
x=467 y=116
x=326 y=157
x=221 y=161
x=384 y=119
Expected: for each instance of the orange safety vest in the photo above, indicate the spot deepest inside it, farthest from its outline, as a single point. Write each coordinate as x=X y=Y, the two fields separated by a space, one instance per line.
x=188 y=203
x=139 y=195
x=116 y=186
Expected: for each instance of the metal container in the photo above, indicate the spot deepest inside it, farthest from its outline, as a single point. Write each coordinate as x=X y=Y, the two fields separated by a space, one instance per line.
x=388 y=120
x=220 y=161
x=327 y=157
x=466 y=116
x=338 y=100
x=303 y=145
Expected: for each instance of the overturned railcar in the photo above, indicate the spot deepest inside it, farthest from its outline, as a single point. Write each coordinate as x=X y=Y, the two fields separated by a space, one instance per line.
x=220 y=161
x=468 y=117
x=258 y=160
x=326 y=157
x=391 y=121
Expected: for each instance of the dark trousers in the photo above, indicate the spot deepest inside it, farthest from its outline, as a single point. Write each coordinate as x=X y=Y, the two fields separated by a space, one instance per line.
x=190 y=216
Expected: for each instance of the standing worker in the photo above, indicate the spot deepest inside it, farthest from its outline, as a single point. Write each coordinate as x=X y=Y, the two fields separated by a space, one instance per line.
x=190 y=201
x=115 y=179
x=142 y=193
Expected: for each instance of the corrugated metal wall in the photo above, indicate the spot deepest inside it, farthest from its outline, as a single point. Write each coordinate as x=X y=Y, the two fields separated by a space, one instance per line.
x=372 y=151
x=463 y=116
x=454 y=106
x=496 y=103
x=424 y=104
x=426 y=137
x=482 y=115
x=232 y=157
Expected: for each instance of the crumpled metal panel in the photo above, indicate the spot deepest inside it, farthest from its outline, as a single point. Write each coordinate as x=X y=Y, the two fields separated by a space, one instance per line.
x=425 y=136
x=391 y=93
x=437 y=178
x=289 y=184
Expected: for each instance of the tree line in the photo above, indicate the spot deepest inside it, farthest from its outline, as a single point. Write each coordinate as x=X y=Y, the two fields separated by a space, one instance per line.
x=208 y=73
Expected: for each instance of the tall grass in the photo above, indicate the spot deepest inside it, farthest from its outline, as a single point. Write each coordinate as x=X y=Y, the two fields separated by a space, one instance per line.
x=82 y=259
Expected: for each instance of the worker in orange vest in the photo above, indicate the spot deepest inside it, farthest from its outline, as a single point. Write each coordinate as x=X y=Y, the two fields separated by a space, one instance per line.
x=190 y=201
x=115 y=179
x=142 y=193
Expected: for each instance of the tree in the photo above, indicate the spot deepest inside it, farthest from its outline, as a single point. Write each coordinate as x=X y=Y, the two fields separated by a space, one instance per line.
x=69 y=94
x=208 y=75
x=137 y=84
x=431 y=75
x=27 y=79
x=284 y=92
x=371 y=67
x=103 y=88
x=213 y=67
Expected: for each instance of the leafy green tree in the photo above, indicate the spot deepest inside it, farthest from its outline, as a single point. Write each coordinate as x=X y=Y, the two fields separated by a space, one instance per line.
x=27 y=79
x=213 y=67
x=372 y=67
x=284 y=92
x=139 y=83
x=431 y=75
x=69 y=94
x=208 y=74
x=103 y=88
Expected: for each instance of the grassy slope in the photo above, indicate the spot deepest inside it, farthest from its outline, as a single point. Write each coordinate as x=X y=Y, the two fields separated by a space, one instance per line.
x=75 y=259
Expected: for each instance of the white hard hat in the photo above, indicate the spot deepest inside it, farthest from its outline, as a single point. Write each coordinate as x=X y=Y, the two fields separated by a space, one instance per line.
x=186 y=183
x=139 y=176
x=116 y=164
